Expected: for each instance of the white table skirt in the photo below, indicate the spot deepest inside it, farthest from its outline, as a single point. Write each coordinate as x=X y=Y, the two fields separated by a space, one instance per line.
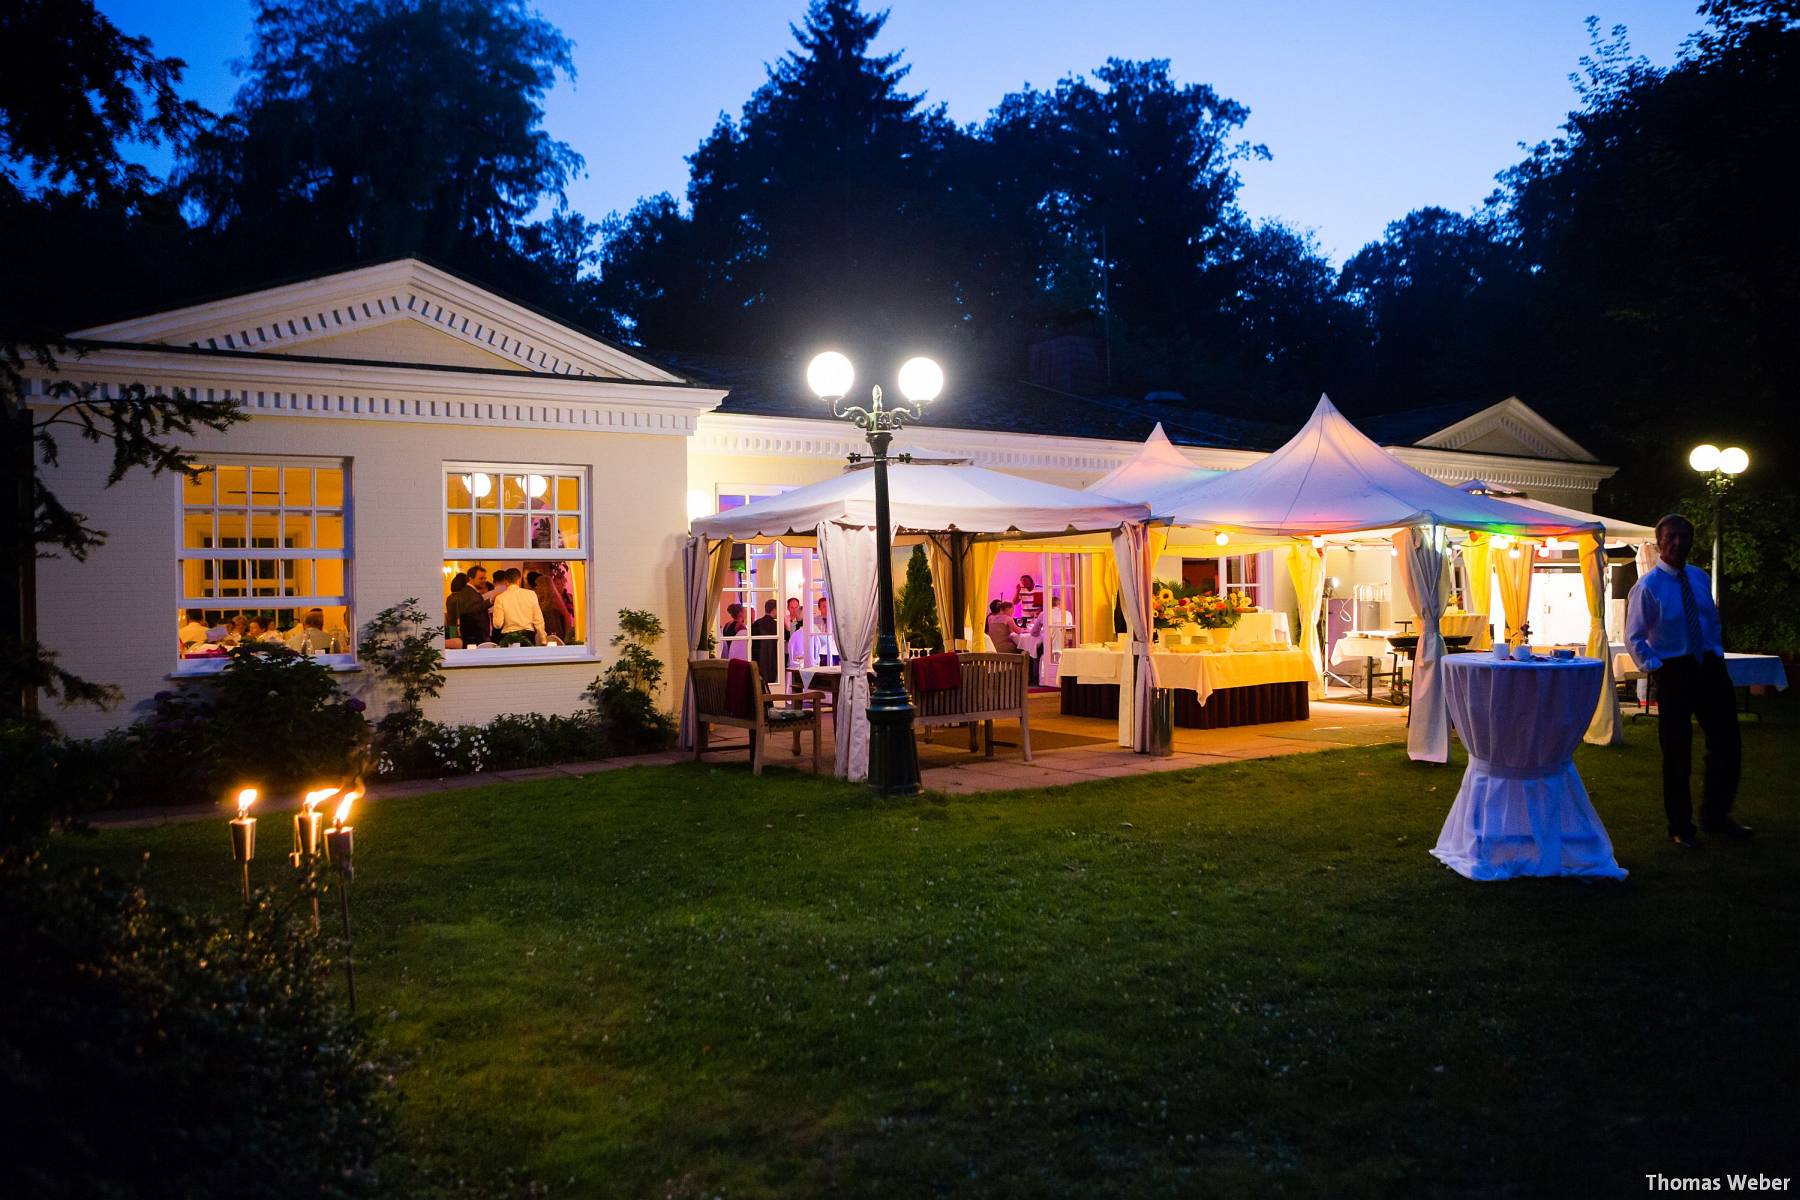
x=1201 y=674
x=1522 y=809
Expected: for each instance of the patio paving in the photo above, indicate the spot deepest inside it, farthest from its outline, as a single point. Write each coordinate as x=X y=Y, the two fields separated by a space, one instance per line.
x=1082 y=749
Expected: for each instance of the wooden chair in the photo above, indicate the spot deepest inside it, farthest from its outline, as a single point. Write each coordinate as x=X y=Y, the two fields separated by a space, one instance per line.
x=712 y=707
x=993 y=685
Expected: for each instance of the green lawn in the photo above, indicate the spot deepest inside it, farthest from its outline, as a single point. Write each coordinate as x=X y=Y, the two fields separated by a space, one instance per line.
x=686 y=982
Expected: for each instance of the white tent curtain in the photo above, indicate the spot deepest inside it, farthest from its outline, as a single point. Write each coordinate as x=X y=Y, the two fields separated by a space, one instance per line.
x=1512 y=567
x=1422 y=562
x=943 y=587
x=1131 y=551
x=1604 y=729
x=1306 y=567
x=852 y=583
x=703 y=583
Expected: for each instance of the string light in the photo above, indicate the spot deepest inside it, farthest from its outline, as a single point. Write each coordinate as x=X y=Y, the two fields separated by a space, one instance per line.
x=1318 y=541
x=1222 y=538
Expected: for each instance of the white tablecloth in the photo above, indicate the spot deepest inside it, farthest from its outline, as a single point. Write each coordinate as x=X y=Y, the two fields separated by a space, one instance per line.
x=1262 y=627
x=1522 y=809
x=1746 y=670
x=1353 y=646
x=1201 y=674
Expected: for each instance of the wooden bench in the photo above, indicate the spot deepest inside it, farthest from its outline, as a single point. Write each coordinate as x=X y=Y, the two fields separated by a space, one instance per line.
x=993 y=685
x=712 y=707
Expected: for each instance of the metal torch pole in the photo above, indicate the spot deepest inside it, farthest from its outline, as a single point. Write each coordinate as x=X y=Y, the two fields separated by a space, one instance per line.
x=893 y=756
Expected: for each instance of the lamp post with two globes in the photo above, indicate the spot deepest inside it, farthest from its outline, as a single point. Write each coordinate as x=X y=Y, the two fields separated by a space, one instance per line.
x=1720 y=467
x=893 y=756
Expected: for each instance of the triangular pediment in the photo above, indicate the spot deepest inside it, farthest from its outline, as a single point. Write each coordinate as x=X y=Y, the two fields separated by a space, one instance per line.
x=1511 y=428
x=404 y=313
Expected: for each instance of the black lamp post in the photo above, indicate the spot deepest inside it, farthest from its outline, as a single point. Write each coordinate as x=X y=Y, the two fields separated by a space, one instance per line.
x=893 y=756
x=1721 y=468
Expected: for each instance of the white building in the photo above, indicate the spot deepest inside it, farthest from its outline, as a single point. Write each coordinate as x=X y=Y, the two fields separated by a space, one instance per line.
x=406 y=424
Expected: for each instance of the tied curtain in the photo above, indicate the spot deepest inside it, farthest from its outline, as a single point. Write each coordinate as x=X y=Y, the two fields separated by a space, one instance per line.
x=852 y=588
x=979 y=567
x=1604 y=729
x=703 y=583
x=1513 y=569
x=1306 y=567
x=943 y=587
x=1422 y=568
x=1132 y=554
x=1478 y=565
x=1099 y=592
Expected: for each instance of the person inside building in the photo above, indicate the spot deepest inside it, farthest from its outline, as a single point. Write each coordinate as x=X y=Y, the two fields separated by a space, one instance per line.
x=518 y=617
x=733 y=634
x=1000 y=628
x=795 y=619
x=765 y=646
x=1028 y=601
x=309 y=637
x=559 y=622
x=466 y=611
x=193 y=629
x=478 y=579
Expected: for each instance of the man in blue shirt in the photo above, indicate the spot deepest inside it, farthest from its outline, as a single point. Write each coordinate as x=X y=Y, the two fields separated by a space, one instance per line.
x=1672 y=630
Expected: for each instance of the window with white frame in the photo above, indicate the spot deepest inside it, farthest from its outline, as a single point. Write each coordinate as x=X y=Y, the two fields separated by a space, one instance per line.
x=800 y=634
x=1246 y=573
x=514 y=527
x=264 y=555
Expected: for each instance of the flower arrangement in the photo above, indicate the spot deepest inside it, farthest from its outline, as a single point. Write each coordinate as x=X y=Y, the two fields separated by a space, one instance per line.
x=1173 y=605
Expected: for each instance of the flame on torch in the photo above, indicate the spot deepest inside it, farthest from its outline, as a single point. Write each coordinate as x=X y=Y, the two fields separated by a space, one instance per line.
x=314 y=799
x=245 y=799
x=343 y=808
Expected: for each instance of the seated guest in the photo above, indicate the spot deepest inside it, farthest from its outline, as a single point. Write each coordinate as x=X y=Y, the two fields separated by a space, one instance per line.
x=822 y=617
x=766 y=644
x=795 y=618
x=310 y=636
x=559 y=622
x=466 y=611
x=518 y=617
x=193 y=629
x=1000 y=628
x=237 y=630
x=260 y=629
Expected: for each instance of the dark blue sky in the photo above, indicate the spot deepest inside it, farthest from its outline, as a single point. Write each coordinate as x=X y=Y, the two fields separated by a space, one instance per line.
x=1370 y=110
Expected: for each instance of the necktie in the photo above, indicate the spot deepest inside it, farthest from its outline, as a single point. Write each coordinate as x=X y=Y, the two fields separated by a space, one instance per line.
x=1690 y=613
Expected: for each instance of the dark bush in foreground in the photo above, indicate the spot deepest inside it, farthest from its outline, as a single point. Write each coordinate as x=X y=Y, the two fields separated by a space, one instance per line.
x=145 y=1052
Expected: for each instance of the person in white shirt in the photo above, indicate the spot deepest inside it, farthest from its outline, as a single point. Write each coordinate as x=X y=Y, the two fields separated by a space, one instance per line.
x=193 y=630
x=1672 y=631
x=516 y=609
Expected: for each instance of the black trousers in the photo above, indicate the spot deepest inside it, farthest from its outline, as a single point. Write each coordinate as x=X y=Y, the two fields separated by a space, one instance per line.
x=1688 y=688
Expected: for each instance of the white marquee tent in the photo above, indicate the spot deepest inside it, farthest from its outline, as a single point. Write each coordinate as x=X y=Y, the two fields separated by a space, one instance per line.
x=1158 y=469
x=1330 y=481
x=925 y=498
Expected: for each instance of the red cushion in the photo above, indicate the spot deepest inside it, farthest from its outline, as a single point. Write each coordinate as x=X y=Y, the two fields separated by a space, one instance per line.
x=740 y=697
x=938 y=672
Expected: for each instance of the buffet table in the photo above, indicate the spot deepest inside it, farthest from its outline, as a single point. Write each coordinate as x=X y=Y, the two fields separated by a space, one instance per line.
x=1521 y=809
x=1212 y=689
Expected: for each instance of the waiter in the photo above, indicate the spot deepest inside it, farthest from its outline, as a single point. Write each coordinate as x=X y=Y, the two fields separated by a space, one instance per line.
x=1672 y=630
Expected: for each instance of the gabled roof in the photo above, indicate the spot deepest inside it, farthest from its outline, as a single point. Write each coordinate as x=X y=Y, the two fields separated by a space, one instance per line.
x=323 y=316
x=1330 y=478
x=1511 y=427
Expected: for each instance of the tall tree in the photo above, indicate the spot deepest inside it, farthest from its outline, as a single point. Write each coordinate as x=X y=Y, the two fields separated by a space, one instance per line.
x=819 y=214
x=367 y=129
x=60 y=134
x=1442 y=301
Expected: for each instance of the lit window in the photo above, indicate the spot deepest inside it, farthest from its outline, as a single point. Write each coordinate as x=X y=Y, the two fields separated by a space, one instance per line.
x=798 y=633
x=264 y=554
x=504 y=518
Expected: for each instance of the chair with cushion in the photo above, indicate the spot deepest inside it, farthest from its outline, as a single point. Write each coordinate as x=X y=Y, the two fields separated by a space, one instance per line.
x=732 y=692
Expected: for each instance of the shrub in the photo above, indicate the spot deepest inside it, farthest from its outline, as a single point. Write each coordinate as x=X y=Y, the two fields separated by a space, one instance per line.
x=625 y=694
x=272 y=716
x=146 y=1052
x=917 y=616
x=400 y=645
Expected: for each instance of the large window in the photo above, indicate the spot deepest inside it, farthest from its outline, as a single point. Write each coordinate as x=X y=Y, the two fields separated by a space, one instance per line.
x=803 y=635
x=502 y=519
x=1246 y=573
x=264 y=555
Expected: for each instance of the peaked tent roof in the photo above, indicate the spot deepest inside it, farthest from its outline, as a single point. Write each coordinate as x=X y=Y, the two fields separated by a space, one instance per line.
x=1329 y=478
x=1158 y=468
x=1616 y=530
x=923 y=498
